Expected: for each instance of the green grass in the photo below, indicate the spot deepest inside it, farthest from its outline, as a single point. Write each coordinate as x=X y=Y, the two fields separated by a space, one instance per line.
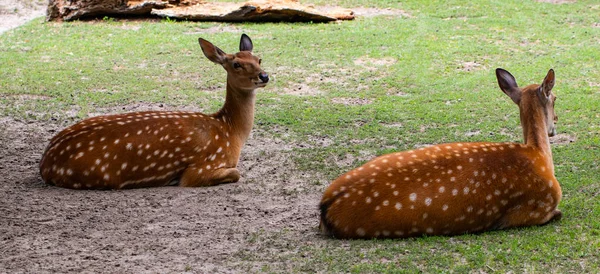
x=423 y=96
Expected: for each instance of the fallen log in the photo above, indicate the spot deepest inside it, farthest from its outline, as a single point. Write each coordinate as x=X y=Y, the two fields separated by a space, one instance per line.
x=196 y=10
x=64 y=10
x=256 y=11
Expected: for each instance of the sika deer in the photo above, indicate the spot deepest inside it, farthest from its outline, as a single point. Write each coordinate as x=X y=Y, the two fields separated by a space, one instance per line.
x=157 y=148
x=455 y=188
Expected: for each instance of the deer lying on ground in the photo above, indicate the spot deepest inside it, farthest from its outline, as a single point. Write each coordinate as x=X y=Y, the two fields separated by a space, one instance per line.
x=158 y=148
x=454 y=188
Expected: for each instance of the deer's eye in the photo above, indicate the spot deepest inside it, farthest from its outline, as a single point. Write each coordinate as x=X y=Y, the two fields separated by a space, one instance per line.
x=259 y=61
x=236 y=65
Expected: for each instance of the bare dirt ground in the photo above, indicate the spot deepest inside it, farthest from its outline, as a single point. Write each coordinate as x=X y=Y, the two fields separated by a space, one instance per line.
x=14 y=13
x=159 y=230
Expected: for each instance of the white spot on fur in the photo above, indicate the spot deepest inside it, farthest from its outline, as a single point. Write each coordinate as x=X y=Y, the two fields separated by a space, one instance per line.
x=398 y=206
x=427 y=201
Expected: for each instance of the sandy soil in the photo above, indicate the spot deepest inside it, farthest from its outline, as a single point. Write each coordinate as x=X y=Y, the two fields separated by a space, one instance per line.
x=160 y=230
x=14 y=13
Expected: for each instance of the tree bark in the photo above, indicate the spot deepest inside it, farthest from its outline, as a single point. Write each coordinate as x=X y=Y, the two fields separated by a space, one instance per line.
x=65 y=10
x=197 y=10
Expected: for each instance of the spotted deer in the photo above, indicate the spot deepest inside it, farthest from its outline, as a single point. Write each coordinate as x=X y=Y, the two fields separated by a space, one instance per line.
x=158 y=148
x=454 y=188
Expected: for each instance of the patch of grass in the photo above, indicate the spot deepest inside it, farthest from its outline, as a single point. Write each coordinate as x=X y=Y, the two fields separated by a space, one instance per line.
x=440 y=88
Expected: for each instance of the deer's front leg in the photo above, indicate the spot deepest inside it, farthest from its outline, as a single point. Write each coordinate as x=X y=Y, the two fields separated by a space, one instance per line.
x=195 y=177
x=224 y=175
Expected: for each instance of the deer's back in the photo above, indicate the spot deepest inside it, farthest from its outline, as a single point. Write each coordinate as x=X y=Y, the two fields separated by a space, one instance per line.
x=130 y=150
x=439 y=190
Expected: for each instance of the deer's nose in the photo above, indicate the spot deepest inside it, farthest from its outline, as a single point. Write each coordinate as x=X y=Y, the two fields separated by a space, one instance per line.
x=264 y=77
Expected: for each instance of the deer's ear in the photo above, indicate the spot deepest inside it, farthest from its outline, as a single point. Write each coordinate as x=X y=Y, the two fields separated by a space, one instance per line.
x=212 y=52
x=245 y=43
x=508 y=84
x=548 y=83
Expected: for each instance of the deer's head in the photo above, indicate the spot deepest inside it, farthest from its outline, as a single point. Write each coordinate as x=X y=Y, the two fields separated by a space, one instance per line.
x=243 y=68
x=531 y=96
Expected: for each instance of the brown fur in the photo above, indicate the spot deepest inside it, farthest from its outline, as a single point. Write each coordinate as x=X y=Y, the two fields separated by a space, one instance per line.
x=158 y=148
x=455 y=188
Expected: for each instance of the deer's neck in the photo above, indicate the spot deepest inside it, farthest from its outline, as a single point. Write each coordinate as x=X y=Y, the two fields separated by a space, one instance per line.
x=238 y=112
x=535 y=133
